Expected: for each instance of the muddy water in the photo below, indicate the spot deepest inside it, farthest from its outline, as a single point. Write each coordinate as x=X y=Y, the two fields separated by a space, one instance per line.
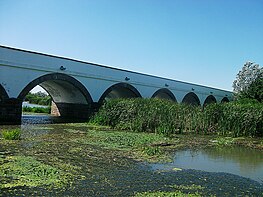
x=102 y=172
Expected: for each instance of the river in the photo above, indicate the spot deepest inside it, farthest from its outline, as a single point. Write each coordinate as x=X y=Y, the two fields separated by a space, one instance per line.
x=226 y=172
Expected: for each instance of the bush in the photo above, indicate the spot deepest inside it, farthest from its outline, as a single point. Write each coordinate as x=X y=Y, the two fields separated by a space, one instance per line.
x=39 y=98
x=166 y=117
x=13 y=134
x=46 y=110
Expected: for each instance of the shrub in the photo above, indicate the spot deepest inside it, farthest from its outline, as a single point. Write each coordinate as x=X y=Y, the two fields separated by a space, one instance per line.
x=46 y=110
x=237 y=118
x=13 y=134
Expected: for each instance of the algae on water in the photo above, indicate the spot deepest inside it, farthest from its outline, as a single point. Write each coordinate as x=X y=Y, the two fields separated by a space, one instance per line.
x=18 y=171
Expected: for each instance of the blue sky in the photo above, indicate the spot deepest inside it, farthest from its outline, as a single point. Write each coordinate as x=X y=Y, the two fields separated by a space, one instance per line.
x=199 y=41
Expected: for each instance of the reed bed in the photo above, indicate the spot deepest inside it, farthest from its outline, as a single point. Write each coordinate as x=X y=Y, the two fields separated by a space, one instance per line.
x=166 y=117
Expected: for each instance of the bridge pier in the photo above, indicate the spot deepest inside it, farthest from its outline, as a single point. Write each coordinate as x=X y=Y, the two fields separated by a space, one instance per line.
x=10 y=111
x=74 y=110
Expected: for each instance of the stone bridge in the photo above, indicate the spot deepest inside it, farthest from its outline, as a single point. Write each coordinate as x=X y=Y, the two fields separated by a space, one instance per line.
x=78 y=88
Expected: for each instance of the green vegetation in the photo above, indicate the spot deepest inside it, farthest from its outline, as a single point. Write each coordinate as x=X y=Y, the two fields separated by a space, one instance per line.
x=167 y=194
x=74 y=159
x=27 y=171
x=224 y=141
x=39 y=98
x=238 y=118
x=180 y=191
x=37 y=109
x=13 y=134
x=142 y=145
x=249 y=82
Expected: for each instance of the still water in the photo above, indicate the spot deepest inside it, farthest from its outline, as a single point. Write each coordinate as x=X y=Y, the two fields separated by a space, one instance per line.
x=28 y=119
x=236 y=160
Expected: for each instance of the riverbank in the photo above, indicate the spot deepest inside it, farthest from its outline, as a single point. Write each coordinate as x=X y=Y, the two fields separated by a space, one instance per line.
x=87 y=160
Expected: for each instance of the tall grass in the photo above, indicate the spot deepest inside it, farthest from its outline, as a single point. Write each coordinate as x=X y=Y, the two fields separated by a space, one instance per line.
x=166 y=117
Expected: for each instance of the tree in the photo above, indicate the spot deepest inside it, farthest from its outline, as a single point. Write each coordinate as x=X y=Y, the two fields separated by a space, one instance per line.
x=248 y=83
x=254 y=91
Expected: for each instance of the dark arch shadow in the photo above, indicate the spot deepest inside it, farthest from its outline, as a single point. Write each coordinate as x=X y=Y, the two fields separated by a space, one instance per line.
x=3 y=93
x=164 y=93
x=191 y=99
x=225 y=100
x=210 y=99
x=119 y=90
x=59 y=78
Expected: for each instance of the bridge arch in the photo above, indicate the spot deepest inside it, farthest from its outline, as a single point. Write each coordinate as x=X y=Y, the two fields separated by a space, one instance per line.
x=71 y=98
x=119 y=90
x=191 y=98
x=164 y=93
x=209 y=100
x=225 y=100
x=61 y=87
x=3 y=94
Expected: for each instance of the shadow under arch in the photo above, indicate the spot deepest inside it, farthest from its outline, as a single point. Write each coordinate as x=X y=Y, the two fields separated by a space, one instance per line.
x=119 y=90
x=59 y=85
x=72 y=101
x=209 y=100
x=164 y=93
x=191 y=99
x=225 y=100
x=3 y=94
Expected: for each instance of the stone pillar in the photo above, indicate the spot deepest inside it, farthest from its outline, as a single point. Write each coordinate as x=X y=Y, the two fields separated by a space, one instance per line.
x=10 y=111
x=74 y=110
x=54 y=109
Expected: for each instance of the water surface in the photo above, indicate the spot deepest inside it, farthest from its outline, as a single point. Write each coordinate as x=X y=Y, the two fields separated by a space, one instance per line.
x=237 y=160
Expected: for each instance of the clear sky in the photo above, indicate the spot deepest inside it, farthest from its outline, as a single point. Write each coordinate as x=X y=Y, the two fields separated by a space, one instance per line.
x=199 y=41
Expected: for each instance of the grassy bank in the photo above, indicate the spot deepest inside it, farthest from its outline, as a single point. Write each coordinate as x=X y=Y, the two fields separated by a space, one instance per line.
x=37 y=110
x=164 y=117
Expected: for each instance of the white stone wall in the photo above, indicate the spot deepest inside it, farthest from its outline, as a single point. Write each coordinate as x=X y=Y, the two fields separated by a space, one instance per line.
x=18 y=68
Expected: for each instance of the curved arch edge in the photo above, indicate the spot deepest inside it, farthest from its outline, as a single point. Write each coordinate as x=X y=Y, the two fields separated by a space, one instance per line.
x=56 y=76
x=165 y=91
x=3 y=93
x=191 y=98
x=225 y=100
x=119 y=85
x=209 y=99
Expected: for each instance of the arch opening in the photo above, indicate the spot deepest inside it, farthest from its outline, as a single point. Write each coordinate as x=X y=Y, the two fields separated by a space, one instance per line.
x=61 y=87
x=209 y=100
x=70 y=98
x=120 y=90
x=164 y=94
x=3 y=94
x=191 y=99
x=225 y=100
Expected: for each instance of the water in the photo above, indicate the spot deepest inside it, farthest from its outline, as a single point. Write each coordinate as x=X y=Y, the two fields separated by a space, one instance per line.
x=110 y=173
x=26 y=104
x=28 y=119
x=236 y=160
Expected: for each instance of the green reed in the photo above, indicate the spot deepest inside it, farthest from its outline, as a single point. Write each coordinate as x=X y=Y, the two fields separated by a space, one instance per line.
x=166 y=117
